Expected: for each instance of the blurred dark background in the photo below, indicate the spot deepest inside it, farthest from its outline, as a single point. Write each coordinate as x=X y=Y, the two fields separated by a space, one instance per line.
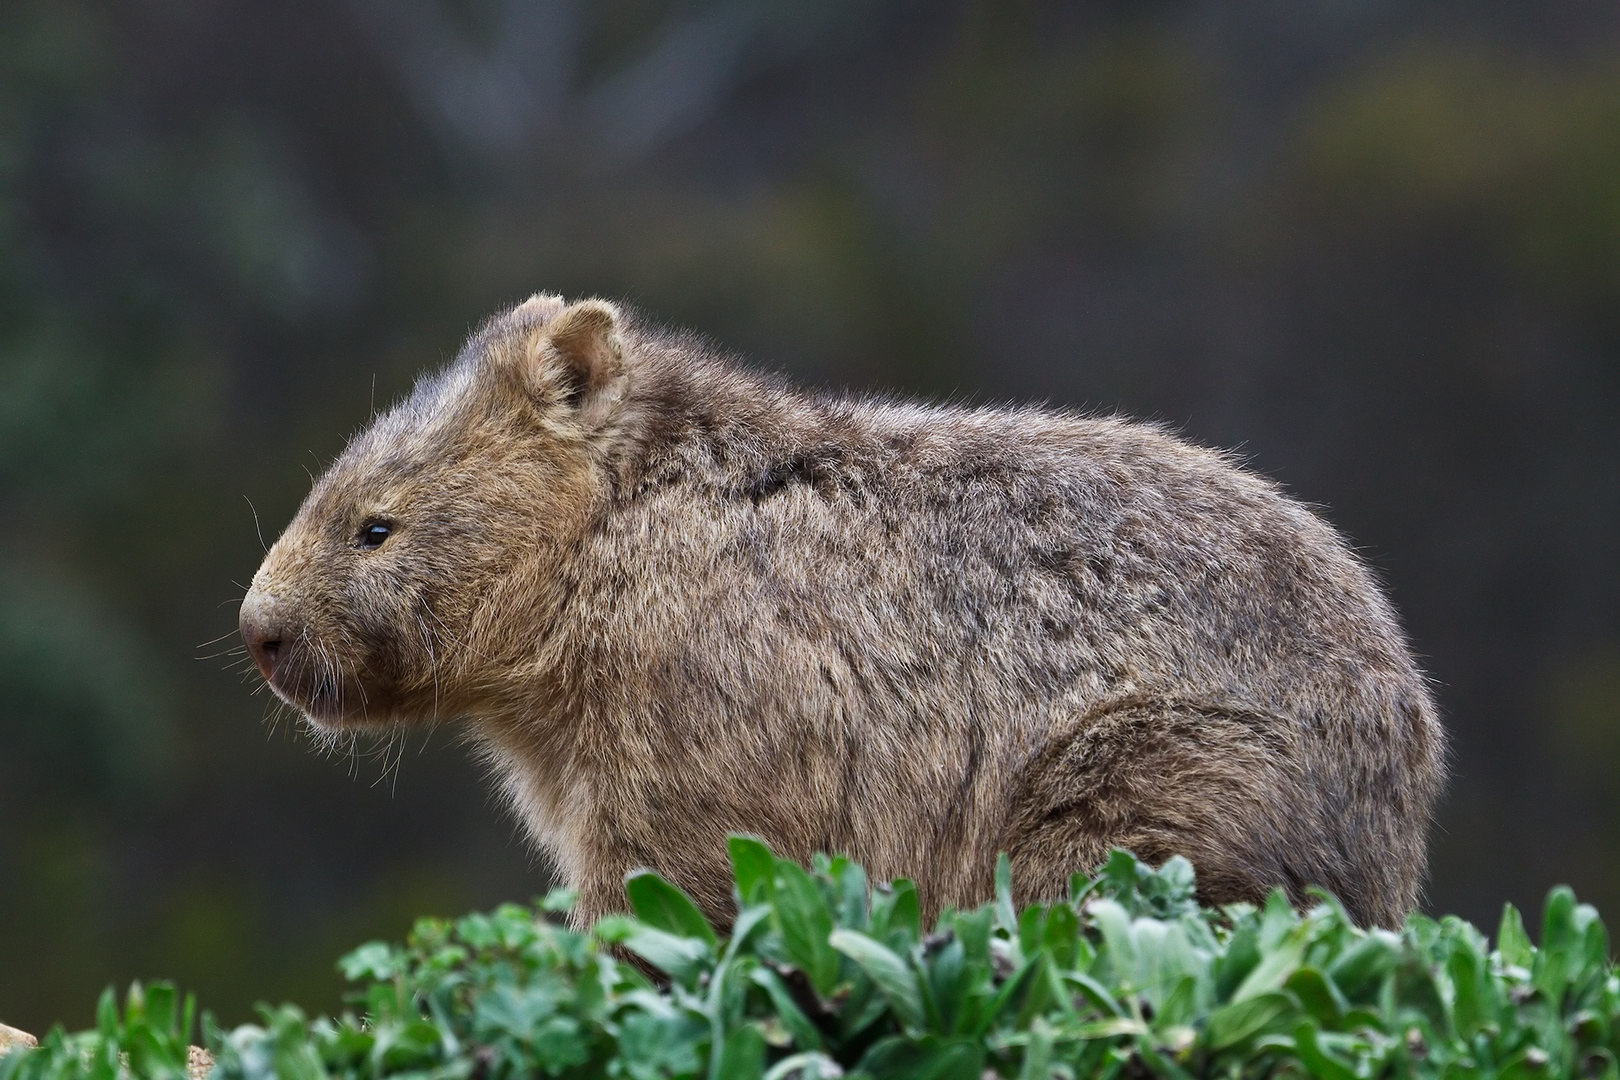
x=1374 y=246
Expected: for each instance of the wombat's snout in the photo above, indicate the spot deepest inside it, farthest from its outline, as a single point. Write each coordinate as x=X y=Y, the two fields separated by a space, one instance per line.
x=263 y=622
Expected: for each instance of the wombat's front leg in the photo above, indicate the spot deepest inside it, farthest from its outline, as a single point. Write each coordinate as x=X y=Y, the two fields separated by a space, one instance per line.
x=596 y=899
x=702 y=871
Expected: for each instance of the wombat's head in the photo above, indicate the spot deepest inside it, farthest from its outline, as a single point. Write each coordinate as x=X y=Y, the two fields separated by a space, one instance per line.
x=422 y=566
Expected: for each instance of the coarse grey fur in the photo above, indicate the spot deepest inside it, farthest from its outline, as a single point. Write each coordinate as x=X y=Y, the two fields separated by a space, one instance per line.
x=673 y=599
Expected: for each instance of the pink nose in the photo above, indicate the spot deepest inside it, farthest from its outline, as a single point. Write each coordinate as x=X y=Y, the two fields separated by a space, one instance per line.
x=262 y=623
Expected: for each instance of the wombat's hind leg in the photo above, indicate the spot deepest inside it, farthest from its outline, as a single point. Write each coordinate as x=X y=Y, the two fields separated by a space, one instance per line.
x=1225 y=790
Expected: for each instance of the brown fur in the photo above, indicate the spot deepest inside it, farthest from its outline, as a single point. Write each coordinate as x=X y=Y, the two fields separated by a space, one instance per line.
x=671 y=599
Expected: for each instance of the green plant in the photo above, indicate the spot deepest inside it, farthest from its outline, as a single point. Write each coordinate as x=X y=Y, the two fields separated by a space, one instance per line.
x=823 y=976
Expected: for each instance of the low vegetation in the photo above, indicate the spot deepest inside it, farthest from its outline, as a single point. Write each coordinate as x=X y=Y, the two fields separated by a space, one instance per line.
x=823 y=976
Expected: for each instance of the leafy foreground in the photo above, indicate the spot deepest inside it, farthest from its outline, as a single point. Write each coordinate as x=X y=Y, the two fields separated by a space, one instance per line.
x=824 y=977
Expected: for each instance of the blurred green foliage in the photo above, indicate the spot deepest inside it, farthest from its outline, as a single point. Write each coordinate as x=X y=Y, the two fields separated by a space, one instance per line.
x=823 y=977
x=1373 y=246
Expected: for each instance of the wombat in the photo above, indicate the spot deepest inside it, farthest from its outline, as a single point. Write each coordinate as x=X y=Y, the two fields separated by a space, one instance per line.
x=672 y=599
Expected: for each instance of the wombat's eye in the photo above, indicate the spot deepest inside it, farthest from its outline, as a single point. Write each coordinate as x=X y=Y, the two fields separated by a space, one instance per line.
x=373 y=533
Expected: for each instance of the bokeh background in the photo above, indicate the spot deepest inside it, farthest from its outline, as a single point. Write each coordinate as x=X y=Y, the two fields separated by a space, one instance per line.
x=1375 y=246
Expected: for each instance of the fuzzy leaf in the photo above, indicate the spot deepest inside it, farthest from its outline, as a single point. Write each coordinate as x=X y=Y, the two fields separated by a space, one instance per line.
x=661 y=905
x=1240 y=1020
x=804 y=922
x=893 y=976
x=741 y=1056
x=805 y=1034
x=1006 y=917
x=751 y=865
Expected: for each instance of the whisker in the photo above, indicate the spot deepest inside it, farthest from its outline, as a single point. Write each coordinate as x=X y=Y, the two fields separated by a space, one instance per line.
x=383 y=754
x=256 y=528
x=399 y=760
x=466 y=648
x=433 y=660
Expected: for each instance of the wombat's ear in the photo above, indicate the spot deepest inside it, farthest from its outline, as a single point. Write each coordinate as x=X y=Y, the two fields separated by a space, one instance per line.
x=580 y=349
x=539 y=309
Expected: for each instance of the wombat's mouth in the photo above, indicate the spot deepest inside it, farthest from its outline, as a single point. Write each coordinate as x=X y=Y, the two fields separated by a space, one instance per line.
x=328 y=699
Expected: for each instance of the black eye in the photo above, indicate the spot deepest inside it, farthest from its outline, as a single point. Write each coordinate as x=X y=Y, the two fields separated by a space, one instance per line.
x=372 y=534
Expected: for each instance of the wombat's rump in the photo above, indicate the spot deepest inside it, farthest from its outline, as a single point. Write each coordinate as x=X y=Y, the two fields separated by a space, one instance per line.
x=671 y=599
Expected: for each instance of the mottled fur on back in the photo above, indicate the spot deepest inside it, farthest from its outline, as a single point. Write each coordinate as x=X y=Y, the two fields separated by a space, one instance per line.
x=673 y=599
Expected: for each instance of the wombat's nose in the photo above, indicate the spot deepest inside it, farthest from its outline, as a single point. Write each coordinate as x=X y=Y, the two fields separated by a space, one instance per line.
x=262 y=622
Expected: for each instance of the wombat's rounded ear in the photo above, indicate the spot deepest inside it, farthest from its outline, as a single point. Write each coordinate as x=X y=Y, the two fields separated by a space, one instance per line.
x=579 y=348
x=539 y=309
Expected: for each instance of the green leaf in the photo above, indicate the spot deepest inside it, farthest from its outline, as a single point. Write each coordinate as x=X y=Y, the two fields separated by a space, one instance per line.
x=1062 y=935
x=1159 y=1064
x=162 y=1007
x=513 y=1010
x=892 y=975
x=926 y=1059
x=725 y=999
x=864 y=1007
x=1274 y=967
x=294 y=1056
x=107 y=1013
x=1011 y=994
x=1241 y=956
x=683 y=957
x=559 y=900
x=1318 y=995
x=804 y=922
x=1176 y=885
x=1057 y=991
x=1180 y=1005
x=1594 y=941
x=559 y=1044
x=972 y=929
x=1560 y=945
x=1113 y=1027
x=852 y=891
x=749 y=920
x=810 y=1066
x=1037 y=989
x=188 y=1016
x=1119 y=944
x=661 y=905
x=1095 y=993
x=741 y=1056
x=1277 y=919
x=373 y=960
x=1081 y=886
x=1234 y=1023
x=1031 y=929
x=1321 y=1064
x=1006 y=917
x=752 y=865
x=947 y=984
x=805 y=1033
x=1471 y=1007
x=1037 y=1063
x=660 y=1043
x=901 y=916
x=1358 y=971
